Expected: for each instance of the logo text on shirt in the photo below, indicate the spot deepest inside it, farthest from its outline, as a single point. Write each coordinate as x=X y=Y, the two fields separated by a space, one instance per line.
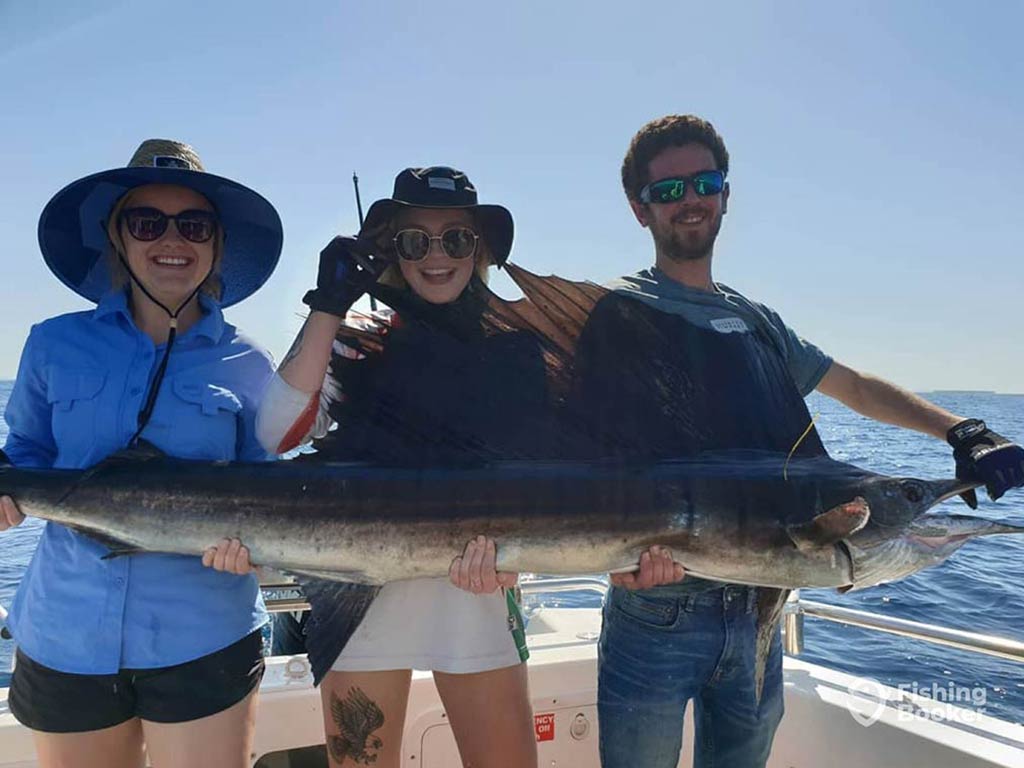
x=730 y=325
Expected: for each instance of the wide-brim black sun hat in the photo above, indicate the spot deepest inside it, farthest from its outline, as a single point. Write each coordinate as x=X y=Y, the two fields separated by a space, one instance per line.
x=443 y=187
x=73 y=225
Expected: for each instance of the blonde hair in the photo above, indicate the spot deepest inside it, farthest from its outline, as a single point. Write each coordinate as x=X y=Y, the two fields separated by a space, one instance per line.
x=392 y=276
x=119 y=278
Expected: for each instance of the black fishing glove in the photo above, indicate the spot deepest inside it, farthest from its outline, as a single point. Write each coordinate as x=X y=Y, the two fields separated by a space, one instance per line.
x=984 y=456
x=347 y=270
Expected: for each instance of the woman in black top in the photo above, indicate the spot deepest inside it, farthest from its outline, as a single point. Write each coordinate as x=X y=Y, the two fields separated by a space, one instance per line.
x=421 y=385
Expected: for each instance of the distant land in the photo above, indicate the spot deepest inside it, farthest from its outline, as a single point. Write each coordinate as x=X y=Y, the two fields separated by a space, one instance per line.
x=970 y=392
x=960 y=392
x=920 y=391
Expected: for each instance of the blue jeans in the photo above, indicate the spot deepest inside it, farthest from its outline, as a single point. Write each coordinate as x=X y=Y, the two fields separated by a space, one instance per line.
x=656 y=653
x=289 y=638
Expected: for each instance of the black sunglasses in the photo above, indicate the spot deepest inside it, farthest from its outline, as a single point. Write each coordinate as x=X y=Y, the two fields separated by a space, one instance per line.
x=457 y=243
x=704 y=183
x=148 y=224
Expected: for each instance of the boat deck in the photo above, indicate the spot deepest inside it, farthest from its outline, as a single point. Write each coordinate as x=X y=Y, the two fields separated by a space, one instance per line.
x=819 y=728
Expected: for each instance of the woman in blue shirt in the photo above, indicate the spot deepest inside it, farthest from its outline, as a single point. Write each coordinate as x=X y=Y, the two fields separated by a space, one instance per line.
x=161 y=650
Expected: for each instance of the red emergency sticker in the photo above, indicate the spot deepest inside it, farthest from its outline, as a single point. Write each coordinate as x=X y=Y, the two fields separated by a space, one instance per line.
x=544 y=727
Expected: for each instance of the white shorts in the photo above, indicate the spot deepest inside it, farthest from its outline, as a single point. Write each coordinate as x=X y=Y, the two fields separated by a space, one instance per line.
x=431 y=624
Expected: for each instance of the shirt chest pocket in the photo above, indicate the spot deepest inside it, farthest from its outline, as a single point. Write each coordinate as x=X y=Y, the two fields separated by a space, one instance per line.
x=204 y=420
x=73 y=396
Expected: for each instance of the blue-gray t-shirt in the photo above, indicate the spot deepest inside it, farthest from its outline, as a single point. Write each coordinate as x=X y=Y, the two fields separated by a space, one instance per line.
x=728 y=311
x=725 y=311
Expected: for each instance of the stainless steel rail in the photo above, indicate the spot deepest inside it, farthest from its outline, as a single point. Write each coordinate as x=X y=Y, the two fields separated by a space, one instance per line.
x=574 y=584
x=284 y=604
x=793 y=620
x=976 y=642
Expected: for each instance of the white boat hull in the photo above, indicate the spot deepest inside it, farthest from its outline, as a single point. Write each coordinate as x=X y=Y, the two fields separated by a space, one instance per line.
x=818 y=728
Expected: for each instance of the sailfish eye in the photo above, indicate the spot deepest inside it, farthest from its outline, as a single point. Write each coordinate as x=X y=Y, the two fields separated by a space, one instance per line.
x=913 y=492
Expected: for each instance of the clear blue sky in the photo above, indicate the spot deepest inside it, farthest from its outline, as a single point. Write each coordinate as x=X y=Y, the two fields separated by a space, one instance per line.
x=877 y=152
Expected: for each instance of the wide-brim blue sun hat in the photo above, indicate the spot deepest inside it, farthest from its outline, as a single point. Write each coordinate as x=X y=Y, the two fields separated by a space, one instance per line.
x=73 y=225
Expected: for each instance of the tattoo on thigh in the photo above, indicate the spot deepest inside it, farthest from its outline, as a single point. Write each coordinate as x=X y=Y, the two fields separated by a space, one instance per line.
x=357 y=717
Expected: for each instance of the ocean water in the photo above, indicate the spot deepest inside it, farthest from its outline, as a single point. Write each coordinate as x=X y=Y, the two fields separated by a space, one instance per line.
x=977 y=589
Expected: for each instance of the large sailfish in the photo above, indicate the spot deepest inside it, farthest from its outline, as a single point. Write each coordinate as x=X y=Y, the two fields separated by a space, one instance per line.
x=739 y=495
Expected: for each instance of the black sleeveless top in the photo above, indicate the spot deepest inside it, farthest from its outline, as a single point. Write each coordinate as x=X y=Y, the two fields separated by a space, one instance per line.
x=442 y=392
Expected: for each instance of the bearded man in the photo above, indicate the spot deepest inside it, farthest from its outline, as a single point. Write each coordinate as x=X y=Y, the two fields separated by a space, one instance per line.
x=671 y=364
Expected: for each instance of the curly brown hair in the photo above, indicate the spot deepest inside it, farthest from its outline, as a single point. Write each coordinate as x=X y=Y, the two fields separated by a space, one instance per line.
x=657 y=136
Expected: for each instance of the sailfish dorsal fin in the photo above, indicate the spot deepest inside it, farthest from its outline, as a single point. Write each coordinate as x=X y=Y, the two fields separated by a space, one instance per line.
x=554 y=309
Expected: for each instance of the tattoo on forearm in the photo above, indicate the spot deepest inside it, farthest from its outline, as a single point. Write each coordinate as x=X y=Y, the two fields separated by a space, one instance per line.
x=357 y=717
x=296 y=347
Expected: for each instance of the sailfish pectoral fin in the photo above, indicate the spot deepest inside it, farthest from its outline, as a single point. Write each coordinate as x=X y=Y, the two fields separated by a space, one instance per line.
x=832 y=526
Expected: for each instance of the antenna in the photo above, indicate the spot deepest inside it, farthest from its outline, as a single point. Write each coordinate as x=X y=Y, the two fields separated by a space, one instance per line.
x=359 y=202
x=359 y=210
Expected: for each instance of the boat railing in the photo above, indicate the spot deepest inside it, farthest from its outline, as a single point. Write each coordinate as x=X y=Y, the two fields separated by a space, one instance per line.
x=793 y=619
x=294 y=602
x=976 y=642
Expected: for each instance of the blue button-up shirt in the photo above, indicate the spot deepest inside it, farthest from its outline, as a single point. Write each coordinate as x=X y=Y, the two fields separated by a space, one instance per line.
x=81 y=384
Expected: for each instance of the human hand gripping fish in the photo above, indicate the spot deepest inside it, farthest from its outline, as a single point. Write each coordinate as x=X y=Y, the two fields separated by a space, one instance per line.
x=475 y=569
x=229 y=555
x=10 y=515
x=656 y=567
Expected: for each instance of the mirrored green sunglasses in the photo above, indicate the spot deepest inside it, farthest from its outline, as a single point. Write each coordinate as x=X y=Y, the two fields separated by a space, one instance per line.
x=705 y=184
